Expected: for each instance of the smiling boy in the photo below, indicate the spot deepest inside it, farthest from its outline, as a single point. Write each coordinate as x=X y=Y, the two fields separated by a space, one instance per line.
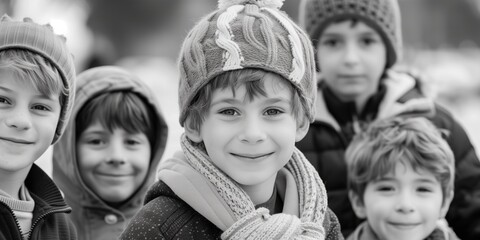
x=358 y=43
x=400 y=176
x=246 y=96
x=109 y=153
x=36 y=95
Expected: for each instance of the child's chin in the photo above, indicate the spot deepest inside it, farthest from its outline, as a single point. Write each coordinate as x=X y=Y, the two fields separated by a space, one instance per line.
x=115 y=197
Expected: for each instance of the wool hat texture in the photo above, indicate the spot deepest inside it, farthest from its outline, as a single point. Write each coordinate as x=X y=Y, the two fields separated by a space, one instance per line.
x=246 y=34
x=40 y=39
x=381 y=15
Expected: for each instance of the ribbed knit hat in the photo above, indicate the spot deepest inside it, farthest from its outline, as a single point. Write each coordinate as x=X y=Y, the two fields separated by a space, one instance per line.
x=41 y=39
x=246 y=34
x=382 y=15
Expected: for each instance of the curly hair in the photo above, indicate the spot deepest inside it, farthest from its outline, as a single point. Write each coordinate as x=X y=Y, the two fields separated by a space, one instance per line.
x=414 y=142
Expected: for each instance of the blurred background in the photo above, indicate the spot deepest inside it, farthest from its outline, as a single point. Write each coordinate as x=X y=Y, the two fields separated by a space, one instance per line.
x=441 y=43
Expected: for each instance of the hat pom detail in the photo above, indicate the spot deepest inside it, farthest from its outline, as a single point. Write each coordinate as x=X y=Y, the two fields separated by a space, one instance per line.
x=5 y=18
x=261 y=3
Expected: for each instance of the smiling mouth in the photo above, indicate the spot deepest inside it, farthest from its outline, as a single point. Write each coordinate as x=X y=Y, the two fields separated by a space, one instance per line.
x=252 y=156
x=351 y=76
x=404 y=225
x=113 y=175
x=14 y=140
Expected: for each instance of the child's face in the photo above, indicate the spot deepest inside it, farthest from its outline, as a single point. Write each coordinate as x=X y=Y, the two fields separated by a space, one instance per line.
x=251 y=141
x=403 y=205
x=113 y=164
x=352 y=58
x=28 y=120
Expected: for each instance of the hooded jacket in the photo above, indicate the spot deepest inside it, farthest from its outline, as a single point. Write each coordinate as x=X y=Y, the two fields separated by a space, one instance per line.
x=399 y=94
x=50 y=220
x=93 y=217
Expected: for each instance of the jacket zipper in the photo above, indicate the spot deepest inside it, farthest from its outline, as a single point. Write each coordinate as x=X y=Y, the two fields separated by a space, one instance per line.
x=356 y=125
x=14 y=217
x=43 y=216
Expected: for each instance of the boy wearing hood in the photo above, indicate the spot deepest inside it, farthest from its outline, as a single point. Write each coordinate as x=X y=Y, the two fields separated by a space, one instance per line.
x=108 y=156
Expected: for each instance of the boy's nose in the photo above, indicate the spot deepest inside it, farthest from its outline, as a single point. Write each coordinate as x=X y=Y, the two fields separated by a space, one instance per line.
x=351 y=56
x=19 y=119
x=405 y=203
x=252 y=132
x=116 y=155
x=116 y=161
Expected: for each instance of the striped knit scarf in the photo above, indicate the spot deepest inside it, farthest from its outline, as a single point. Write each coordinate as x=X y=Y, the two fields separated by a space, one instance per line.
x=251 y=223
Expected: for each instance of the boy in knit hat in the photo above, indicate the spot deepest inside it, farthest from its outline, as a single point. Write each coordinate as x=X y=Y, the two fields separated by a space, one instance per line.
x=246 y=95
x=400 y=178
x=36 y=95
x=357 y=43
x=108 y=156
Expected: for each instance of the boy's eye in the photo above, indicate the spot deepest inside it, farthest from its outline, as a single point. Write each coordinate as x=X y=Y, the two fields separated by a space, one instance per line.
x=424 y=189
x=95 y=141
x=132 y=142
x=41 y=108
x=273 y=111
x=367 y=41
x=385 y=188
x=229 y=112
x=330 y=42
x=4 y=100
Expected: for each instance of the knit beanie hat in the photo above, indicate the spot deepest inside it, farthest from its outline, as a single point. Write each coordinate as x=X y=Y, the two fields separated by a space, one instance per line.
x=41 y=39
x=246 y=34
x=381 y=15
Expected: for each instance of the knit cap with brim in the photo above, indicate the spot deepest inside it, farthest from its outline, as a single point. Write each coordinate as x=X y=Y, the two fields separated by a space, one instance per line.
x=381 y=15
x=246 y=34
x=40 y=39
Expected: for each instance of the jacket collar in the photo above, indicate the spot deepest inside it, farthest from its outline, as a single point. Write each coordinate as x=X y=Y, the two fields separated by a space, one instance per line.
x=344 y=112
x=42 y=186
x=45 y=193
x=395 y=85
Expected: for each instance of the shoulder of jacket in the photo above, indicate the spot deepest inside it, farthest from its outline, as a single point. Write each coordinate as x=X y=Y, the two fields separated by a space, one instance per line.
x=171 y=215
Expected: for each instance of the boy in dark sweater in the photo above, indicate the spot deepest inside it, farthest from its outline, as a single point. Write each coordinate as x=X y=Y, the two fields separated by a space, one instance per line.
x=36 y=96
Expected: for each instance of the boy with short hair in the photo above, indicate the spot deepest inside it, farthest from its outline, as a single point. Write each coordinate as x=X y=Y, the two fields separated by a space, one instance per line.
x=37 y=88
x=358 y=43
x=246 y=96
x=400 y=178
x=108 y=156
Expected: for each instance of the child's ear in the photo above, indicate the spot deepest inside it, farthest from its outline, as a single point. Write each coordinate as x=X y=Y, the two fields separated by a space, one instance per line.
x=302 y=130
x=357 y=205
x=192 y=134
x=446 y=204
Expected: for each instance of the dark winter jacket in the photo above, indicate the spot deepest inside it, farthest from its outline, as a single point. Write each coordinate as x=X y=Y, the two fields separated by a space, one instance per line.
x=166 y=216
x=93 y=217
x=50 y=219
x=336 y=122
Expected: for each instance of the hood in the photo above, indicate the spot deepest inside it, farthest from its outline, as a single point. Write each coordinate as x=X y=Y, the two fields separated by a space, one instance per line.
x=65 y=165
x=403 y=97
